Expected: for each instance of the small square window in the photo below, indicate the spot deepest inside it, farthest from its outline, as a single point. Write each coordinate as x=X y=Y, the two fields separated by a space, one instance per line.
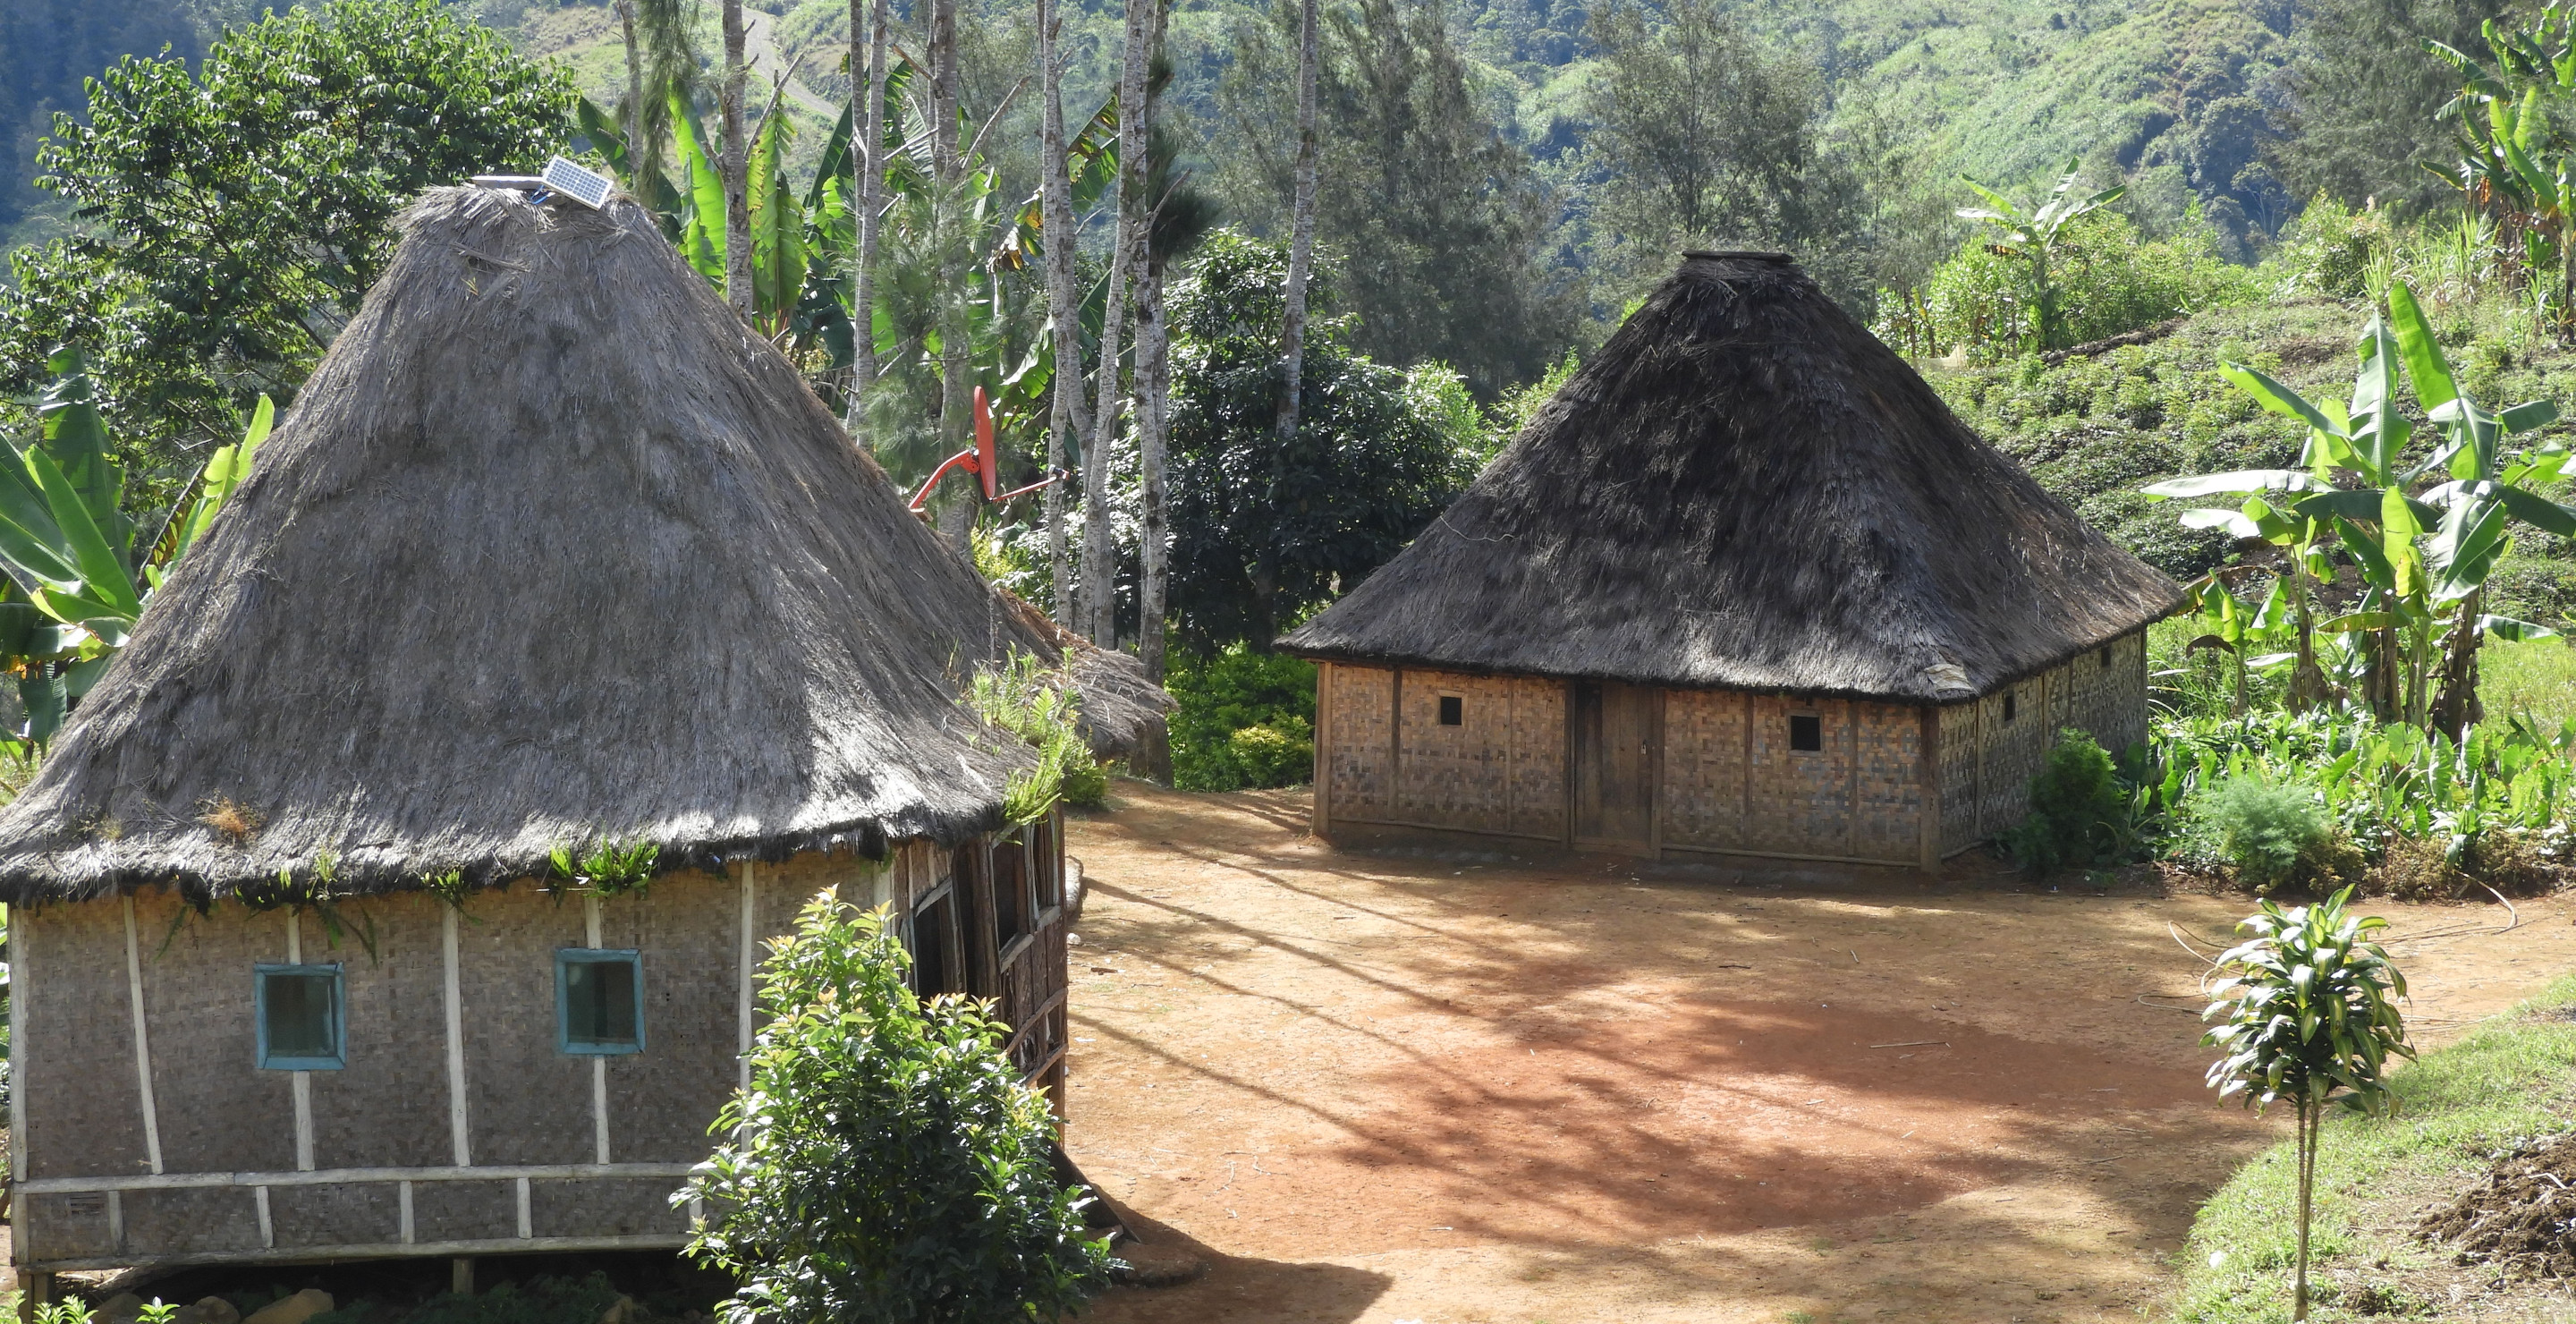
x=2009 y=705
x=2106 y=657
x=1806 y=732
x=599 y=1000
x=1453 y=710
x=303 y=1020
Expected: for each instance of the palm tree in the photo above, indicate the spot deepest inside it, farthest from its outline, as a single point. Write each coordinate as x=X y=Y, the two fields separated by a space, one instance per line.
x=1056 y=225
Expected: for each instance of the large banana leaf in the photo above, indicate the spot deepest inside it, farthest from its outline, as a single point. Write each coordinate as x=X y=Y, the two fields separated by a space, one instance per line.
x=702 y=236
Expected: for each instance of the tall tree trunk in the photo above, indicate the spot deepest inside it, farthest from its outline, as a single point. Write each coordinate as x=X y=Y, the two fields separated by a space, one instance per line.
x=1292 y=319
x=1064 y=304
x=634 y=100
x=867 y=142
x=736 y=167
x=956 y=363
x=1153 y=390
x=1099 y=553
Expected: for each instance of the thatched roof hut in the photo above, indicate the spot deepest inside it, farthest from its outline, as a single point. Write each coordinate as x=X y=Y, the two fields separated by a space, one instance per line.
x=552 y=551
x=551 y=547
x=1745 y=491
x=1744 y=488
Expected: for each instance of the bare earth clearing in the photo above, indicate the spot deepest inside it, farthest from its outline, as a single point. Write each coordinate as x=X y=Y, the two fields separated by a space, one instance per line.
x=1374 y=1087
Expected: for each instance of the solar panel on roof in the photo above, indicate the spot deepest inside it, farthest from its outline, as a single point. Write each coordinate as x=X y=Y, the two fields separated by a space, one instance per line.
x=585 y=186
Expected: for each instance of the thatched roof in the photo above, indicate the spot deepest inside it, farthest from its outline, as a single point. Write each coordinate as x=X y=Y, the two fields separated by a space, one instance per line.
x=551 y=549
x=1745 y=489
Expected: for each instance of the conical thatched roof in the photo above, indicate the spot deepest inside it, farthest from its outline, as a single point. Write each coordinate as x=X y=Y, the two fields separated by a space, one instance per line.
x=1745 y=489
x=551 y=549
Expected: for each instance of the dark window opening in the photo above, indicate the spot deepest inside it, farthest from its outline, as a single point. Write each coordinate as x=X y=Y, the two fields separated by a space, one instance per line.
x=1806 y=732
x=599 y=1000
x=936 y=967
x=1453 y=710
x=1049 y=879
x=2008 y=707
x=301 y=1019
x=1012 y=912
x=2106 y=658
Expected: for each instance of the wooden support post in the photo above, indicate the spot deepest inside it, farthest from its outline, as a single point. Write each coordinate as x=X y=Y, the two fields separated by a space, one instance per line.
x=460 y=1275
x=35 y=1292
x=1929 y=796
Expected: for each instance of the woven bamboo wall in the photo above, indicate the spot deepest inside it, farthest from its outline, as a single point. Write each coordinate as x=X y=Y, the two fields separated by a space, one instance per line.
x=1538 y=758
x=1801 y=802
x=1960 y=751
x=1704 y=741
x=1359 y=755
x=390 y=1107
x=2102 y=692
x=1501 y=770
x=1455 y=776
x=1888 y=794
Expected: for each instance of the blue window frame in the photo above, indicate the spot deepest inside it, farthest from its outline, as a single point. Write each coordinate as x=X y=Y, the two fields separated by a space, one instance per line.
x=599 y=1000
x=303 y=1017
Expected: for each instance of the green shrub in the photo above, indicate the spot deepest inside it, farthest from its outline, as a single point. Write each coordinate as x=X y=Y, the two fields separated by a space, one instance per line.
x=2329 y=250
x=2110 y=282
x=2079 y=810
x=2267 y=831
x=1242 y=720
x=885 y=1163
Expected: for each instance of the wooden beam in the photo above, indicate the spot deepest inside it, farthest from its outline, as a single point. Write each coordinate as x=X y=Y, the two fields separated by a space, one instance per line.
x=457 y=1131
x=179 y=1181
x=303 y=1087
x=379 y=1251
x=1322 y=824
x=1928 y=828
x=748 y=966
x=142 y=1042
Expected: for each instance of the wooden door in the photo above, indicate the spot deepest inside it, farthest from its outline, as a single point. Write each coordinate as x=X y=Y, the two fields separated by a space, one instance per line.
x=1614 y=765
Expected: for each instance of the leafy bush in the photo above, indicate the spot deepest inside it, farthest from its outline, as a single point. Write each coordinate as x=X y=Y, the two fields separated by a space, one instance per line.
x=2080 y=813
x=2265 y=830
x=885 y=1163
x=2330 y=250
x=2110 y=281
x=1243 y=720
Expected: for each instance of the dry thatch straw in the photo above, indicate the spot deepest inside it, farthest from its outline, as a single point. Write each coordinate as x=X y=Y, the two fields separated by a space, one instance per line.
x=1745 y=489
x=551 y=549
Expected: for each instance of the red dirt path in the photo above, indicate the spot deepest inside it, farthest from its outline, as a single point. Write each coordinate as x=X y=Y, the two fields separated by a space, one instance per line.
x=1372 y=1087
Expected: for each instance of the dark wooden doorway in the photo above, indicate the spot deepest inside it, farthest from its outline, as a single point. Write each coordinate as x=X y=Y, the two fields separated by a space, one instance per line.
x=1614 y=764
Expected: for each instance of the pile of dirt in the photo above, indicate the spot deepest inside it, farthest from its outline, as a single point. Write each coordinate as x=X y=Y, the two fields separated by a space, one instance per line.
x=2522 y=1217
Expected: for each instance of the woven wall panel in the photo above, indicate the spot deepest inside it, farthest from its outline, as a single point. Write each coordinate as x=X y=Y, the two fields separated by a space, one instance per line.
x=1358 y=765
x=1703 y=778
x=1455 y=776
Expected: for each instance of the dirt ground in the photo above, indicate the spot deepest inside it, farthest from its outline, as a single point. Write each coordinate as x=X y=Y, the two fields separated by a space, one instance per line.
x=1380 y=1087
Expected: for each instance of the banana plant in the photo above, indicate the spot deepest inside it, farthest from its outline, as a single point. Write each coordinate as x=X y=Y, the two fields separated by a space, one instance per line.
x=2516 y=166
x=2462 y=522
x=2031 y=238
x=77 y=577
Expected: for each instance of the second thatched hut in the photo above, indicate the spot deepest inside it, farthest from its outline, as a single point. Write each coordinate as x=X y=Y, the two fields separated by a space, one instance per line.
x=1744 y=587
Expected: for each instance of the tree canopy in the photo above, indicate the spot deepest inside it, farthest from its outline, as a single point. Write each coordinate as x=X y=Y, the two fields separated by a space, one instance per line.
x=1261 y=535
x=235 y=217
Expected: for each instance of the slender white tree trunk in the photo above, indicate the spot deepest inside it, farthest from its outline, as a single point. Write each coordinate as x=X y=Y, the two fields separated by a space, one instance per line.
x=1153 y=391
x=634 y=101
x=1301 y=242
x=956 y=386
x=1099 y=555
x=867 y=163
x=1292 y=319
x=736 y=167
x=1064 y=302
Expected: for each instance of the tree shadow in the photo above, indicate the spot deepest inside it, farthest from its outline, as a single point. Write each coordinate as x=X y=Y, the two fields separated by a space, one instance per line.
x=1311 y=1291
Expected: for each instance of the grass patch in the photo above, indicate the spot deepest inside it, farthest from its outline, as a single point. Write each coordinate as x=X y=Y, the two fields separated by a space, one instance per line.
x=2538 y=677
x=2510 y=1077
